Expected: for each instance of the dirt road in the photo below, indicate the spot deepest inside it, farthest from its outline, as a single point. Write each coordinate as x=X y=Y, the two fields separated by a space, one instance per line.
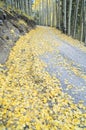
x=39 y=81
x=68 y=62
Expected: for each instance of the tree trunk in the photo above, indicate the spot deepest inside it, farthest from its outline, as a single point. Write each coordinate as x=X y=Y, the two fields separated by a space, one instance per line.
x=52 y=14
x=85 y=22
x=25 y=10
x=75 y=23
x=12 y=3
x=30 y=7
x=46 y=12
x=56 y=13
x=59 y=13
x=82 y=21
x=40 y=14
x=64 y=16
x=49 y=15
x=69 y=17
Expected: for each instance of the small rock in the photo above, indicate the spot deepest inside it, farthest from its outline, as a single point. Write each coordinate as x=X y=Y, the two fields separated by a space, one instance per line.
x=7 y=37
x=1 y=22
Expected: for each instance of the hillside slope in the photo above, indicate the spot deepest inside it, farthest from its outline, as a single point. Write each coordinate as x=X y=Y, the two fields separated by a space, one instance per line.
x=12 y=26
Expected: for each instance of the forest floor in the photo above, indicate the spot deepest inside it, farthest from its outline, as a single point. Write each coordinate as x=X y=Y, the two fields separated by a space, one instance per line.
x=43 y=85
x=12 y=28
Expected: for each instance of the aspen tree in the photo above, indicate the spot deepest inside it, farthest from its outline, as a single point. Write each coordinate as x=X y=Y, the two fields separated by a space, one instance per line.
x=76 y=13
x=69 y=17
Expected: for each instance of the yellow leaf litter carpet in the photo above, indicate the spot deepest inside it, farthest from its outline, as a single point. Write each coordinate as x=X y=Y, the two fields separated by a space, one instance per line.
x=30 y=99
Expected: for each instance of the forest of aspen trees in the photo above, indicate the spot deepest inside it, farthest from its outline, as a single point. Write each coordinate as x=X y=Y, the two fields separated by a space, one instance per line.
x=43 y=67
x=69 y=16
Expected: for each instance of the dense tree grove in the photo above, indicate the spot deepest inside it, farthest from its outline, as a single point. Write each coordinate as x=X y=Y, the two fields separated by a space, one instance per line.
x=23 y=5
x=66 y=15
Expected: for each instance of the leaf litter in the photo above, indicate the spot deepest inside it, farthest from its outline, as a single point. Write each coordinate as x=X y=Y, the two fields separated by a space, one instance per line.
x=30 y=99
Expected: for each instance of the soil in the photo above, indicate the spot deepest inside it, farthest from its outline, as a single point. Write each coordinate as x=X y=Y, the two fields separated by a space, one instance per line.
x=11 y=30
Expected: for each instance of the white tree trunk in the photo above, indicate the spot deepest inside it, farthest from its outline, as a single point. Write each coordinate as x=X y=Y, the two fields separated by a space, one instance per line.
x=82 y=22
x=59 y=13
x=76 y=13
x=85 y=21
x=64 y=15
x=69 y=17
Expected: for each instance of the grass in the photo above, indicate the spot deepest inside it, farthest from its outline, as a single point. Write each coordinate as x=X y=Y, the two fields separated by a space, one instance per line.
x=22 y=22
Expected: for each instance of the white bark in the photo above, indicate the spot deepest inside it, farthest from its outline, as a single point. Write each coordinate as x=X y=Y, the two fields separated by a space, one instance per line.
x=75 y=24
x=69 y=17
x=64 y=16
x=85 y=21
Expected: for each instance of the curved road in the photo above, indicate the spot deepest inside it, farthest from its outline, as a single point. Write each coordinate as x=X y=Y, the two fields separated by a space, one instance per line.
x=68 y=63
